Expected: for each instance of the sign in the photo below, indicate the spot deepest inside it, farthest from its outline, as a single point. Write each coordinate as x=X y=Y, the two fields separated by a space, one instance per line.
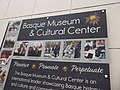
x=81 y=36
x=54 y=75
x=65 y=52
x=77 y=26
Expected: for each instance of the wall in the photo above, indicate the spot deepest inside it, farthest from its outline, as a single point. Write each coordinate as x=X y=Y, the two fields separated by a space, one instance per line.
x=23 y=9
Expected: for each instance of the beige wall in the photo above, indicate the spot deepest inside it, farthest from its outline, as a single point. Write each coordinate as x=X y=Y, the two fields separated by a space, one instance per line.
x=22 y=9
